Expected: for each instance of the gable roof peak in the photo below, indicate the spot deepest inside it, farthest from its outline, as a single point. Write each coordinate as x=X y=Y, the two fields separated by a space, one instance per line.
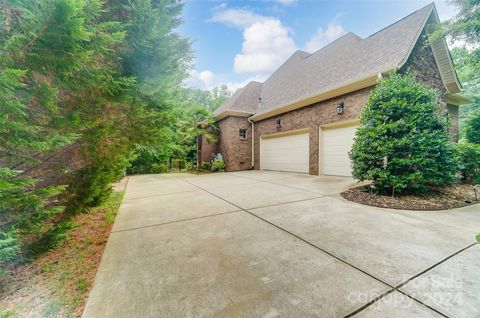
x=349 y=59
x=425 y=11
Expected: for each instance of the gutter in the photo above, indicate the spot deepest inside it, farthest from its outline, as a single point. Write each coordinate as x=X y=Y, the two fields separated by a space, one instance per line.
x=236 y=113
x=327 y=94
x=253 y=141
x=457 y=99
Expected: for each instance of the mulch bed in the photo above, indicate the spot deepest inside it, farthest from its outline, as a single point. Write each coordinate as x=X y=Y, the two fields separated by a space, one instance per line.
x=454 y=196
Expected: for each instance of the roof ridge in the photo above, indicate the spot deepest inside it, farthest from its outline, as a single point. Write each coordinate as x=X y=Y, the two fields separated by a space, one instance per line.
x=346 y=59
x=336 y=40
x=431 y=4
x=286 y=61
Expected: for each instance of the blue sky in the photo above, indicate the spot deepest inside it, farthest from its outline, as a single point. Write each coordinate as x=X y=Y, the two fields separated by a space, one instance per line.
x=238 y=41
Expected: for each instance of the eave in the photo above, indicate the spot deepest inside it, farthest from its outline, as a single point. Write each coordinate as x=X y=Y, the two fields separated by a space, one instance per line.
x=456 y=99
x=235 y=113
x=328 y=94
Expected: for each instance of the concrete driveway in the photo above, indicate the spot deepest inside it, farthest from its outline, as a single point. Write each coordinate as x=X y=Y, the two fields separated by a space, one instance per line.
x=273 y=244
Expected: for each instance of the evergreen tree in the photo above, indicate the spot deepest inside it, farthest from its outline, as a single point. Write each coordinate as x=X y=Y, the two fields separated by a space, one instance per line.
x=90 y=74
x=402 y=142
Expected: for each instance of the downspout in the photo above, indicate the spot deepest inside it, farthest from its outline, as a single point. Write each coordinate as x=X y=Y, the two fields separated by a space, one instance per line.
x=253 y=141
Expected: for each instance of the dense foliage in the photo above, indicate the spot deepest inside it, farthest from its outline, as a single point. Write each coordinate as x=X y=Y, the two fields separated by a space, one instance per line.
x=192 y=109
x=91 y=78
x=467 y=66
x=218 y=165
x=402 y=142
x=468 y=157
x=464 y=30
x=472 y=128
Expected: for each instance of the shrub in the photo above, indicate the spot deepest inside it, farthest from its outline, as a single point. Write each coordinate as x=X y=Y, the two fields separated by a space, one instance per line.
x=179 y=163
x=206 y=165
x=472 y=128
x=190 y=166
x=402 y=142
x=468 y=159
x=218 y=165
x=159 y=168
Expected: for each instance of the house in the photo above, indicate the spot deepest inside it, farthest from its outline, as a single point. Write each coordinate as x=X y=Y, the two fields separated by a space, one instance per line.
x=304 y=116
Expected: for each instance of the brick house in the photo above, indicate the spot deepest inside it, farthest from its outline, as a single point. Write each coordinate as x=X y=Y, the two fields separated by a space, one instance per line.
x=303 y=117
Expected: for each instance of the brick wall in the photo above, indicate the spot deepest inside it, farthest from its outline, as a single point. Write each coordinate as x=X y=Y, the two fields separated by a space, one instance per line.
x=453 y=120
x=312 y=117
x=236 y=152
x=206 y=149
x=422 y=63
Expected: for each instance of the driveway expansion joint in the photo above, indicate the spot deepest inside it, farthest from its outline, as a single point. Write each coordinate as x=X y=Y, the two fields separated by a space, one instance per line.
x=176 y=221
x=392 y=288
x=159 y=195
x=278 y=204
x=279 y=184
x=435 y=265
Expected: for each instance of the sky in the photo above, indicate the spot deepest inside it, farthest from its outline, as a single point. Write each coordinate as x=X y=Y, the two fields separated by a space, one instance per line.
x=235 y=42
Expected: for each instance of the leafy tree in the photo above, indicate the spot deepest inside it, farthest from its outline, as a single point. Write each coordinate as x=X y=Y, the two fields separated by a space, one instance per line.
x=192 y=118
x=467 y=65
x=219 y=96
x=472 y=128
x=402 y=142
x=468 y=158
x=465 y=25
x=465 y=28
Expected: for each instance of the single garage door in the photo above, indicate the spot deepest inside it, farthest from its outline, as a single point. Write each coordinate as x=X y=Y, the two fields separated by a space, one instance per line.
x=337 y=143
x=285 y=153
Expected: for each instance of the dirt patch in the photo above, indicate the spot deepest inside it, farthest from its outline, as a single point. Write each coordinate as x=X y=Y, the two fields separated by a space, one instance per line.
x=57 y=283
x=454 y=196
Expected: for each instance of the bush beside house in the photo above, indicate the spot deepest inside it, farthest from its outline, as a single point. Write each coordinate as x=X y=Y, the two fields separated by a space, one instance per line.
x=472 y=128
x=402 y=142
x=218 y=165
x=468 y=159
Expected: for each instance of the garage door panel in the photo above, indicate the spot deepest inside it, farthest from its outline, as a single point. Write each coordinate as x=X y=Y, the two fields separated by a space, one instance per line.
x=336 y=144
x=285 y=153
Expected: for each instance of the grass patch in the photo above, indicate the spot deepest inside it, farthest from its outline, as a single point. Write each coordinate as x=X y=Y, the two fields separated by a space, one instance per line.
x=56 y=283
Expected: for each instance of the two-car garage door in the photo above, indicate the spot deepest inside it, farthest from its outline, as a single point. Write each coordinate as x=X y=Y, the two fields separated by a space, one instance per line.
x=291 y=152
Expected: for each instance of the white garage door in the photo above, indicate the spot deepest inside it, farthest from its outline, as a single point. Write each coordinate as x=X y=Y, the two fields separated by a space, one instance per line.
x=337 y=143
x=286 y=153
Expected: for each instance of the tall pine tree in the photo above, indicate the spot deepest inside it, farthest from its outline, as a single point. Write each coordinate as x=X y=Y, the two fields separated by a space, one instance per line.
x=83 y=82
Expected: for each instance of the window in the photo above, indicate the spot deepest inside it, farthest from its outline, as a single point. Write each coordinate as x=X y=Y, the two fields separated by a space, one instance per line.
x=243 y=133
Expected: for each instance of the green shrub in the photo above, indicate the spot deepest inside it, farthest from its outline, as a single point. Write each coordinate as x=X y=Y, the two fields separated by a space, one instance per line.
x=159 y=168
x=472 y=128
x=206 y=165
x=218 y=165
x=468 y=159
x=190 y=166
x=402 y=142
x=92 y=185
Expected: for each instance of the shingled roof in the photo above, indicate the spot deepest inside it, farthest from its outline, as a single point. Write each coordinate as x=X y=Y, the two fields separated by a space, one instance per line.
x=243 y=100
x=347 y=60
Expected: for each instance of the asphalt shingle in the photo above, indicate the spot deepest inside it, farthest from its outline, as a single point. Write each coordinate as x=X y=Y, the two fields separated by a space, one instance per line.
x=346 y=60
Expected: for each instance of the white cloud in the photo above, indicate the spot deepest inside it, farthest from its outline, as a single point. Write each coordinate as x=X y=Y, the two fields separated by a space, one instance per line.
x=286 y=2
x=206 y=80
x=241 y=18
x=233 y=86
x=323 y=37
x=203 y=80
x=265 y=46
